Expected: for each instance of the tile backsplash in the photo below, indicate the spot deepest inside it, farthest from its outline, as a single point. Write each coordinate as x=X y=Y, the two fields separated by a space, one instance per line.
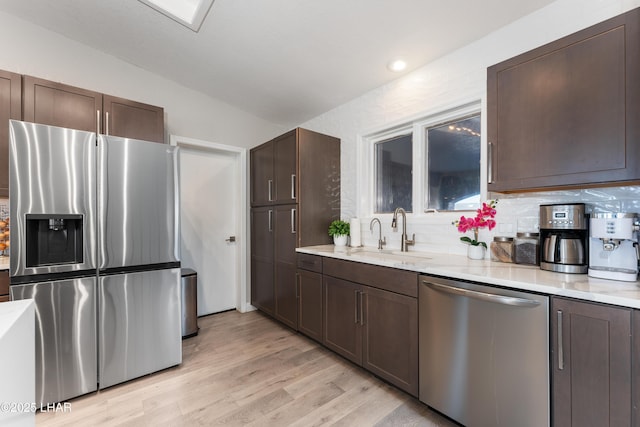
x=516 y=212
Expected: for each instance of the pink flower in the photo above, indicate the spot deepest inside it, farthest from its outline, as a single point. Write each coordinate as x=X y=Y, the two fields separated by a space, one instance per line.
x=484 y=219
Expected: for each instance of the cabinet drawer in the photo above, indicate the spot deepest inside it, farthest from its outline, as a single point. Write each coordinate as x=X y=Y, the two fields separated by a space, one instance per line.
x=310 y=262
x=4 y=282
x=4 y=298
x=390 y=279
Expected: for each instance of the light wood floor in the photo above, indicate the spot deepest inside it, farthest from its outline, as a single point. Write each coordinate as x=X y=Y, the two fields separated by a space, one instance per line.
x=246 y=369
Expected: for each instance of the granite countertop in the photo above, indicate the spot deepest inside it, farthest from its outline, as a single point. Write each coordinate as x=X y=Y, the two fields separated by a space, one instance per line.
x=516 y=276
x=4 y=263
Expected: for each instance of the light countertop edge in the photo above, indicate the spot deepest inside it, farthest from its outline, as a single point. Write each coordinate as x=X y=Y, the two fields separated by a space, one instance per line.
x=515 y=276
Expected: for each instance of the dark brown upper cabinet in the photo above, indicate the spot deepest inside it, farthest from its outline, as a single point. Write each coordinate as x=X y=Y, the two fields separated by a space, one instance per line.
x=10 y=108
x=567 y=114
x=131 y=119
x=58 y=104
x=274 y=178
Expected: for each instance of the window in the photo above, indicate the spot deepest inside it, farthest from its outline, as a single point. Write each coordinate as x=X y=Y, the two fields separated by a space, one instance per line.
x=453 y=171
x=430 y=163
x=393 y=171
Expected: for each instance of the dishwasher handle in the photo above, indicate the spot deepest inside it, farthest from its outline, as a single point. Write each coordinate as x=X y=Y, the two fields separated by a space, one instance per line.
x=499 y=299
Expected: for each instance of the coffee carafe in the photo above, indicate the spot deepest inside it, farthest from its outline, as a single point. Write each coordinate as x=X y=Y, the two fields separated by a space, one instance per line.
x=564 y=238
x=613 y=246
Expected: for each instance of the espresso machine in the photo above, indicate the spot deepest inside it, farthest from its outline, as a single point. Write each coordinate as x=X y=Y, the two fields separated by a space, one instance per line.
x=613 y=246
x=564 y=238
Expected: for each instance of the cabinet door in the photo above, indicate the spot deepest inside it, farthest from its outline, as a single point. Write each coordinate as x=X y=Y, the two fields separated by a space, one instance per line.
x=317 y=185
x=262 y=260
x=130 y=119
x=591 y=359
x=262 y=179
x=10 y=108
x=390 y=337
x=342 y=317
x=57 y=104
x=285 y=264
x=285 y=168
x=566 y=113
x=310 y=304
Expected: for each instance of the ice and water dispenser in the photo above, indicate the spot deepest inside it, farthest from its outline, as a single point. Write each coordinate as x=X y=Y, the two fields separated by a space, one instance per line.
x=53 y=239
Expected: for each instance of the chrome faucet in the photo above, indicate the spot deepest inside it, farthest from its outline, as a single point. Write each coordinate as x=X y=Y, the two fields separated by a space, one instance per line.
x=381 y=241
x=404 y=242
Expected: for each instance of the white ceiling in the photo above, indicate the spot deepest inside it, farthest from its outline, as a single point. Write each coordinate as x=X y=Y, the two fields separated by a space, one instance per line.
x=286 y=61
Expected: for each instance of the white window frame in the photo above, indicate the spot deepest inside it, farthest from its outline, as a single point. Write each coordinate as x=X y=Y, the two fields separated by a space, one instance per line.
x=366 y=159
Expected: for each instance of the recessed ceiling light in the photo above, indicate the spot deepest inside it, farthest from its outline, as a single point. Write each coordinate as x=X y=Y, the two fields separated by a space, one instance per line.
x=397 y=65
x=190 y=13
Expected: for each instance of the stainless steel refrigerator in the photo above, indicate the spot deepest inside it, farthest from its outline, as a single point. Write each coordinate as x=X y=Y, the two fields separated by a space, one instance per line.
x=95 y=242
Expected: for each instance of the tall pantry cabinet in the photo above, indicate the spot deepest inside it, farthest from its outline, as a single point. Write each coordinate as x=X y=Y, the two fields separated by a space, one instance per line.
x=295 y=194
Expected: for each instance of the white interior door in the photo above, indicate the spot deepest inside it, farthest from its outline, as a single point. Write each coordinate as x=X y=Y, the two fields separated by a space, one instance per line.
x=211 y=186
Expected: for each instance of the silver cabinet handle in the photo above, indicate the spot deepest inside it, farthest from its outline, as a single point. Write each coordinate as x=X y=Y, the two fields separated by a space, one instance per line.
x=107 y=123
x=490 y=163
x=355 y=306
x=293 y=221
x=560 y=342
x=499 y=299
x=361 y=309
x=270 y=194
x=270 y=220
x=293 y=185
x=298 y=285
x=98 y=122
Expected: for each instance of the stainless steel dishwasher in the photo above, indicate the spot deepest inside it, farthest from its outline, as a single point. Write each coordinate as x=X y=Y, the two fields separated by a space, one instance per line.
x=484 y=353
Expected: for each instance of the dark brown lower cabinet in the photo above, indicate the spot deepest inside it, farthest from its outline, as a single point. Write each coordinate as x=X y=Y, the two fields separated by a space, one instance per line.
x=286 y=294
x=591 y=364
x=310 y=304
x=284 y=246
x=390 y=337
x=342 y=332
x=375 y=328
x=262 y=259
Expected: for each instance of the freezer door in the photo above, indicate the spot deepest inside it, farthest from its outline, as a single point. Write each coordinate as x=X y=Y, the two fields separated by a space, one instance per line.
x=137 y=203
x=139 y=324
x=52 y=173
x=66 y=355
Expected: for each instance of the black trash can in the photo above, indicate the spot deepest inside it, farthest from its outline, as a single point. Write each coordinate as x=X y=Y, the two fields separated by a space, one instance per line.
x=189 y=296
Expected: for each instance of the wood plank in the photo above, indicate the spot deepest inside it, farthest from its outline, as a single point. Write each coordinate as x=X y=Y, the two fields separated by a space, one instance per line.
x=246 y=369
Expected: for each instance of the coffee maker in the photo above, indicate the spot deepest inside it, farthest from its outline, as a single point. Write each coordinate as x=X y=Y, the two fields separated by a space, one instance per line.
x=613 y=246
x=564 y=232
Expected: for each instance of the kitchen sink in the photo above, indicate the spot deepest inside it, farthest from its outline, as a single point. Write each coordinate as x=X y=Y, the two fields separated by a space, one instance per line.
x=389 y=255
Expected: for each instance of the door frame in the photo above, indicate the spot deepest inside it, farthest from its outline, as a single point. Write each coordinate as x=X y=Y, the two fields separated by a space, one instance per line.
x=242 y=245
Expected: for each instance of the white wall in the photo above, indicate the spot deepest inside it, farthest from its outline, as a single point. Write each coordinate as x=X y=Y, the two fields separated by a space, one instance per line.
x=29 y=49
x=452 y=80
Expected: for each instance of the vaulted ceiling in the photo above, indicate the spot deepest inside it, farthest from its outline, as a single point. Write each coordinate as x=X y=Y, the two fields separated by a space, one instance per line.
x=286 y=61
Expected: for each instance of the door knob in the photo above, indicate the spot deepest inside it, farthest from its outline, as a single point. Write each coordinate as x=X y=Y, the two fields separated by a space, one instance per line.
x=230 y=239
